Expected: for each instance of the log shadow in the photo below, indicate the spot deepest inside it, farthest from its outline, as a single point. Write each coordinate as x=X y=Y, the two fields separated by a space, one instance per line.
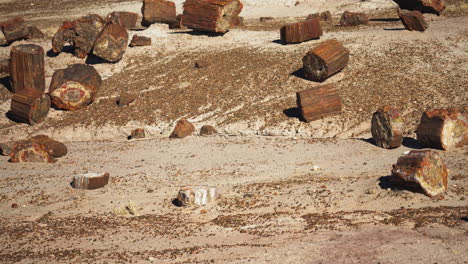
x=294 y=112
x=279 y=41
x=368 y=140
x=6 y=81
x=12 y=117
x=386 y=182
x=300 y=74
x=93 y=60
x=412 y=143
x=394 y=29
x=176 y=202
x=385 y=19
x=200 y=33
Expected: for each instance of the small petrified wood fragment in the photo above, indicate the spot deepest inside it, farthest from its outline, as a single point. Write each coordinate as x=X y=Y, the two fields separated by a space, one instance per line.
x=325 y=60
x=138 y=133
x=353 y=19
x=323 y=16
x=211 y=15
x=27 y=69
x=15 y=29
x=319 y=102
x=29 y=151
x=90 y=181
x=207 y=130
x=158 y=11
x=443 y=129
x=29 y=108
x=182 y=129
x=387 y=128
x=196 y=195
x=301 y=31
x=125 y=19
x=55 y=148
x=178 y=24
x=423 y=6
x=424 y=169
x=111 y=43
x=75 y=87
x=413 y=20
x=125 y=99
x=140 y=41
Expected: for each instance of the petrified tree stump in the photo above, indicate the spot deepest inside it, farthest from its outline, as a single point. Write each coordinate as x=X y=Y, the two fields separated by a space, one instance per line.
x=90 y=181
x=178 y=24
x=140 y=41
x=138 y=133
x=423 y=6
x=325 y=60
x=27 y=69
x=29 y=151
x=353 y=19
x=387 y=128
x=207 y=130
x=125 y=19
x=29 y=108
x=424 y=169
x=55 y=148
x=15 y=29
x=413 y=20
x=158 y=11
x=301 y=31
x=196 y=195
x=182 y=129
x=211 y=15
x=111 y=43
x=75 y=87
x=443 y=129
x=319 y=102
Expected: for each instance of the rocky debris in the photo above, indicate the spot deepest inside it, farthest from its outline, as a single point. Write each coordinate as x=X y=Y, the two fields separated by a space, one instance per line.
x=211 y=15
x=90 y=181
x=140 y=41
x=17 y=29
x=127 y=20
x=413 y=20
x=183 y=129
x=325 y=60
x=323 y=16
x=5 y=148
x=27 y=69
x=178 y=24
x=207 y=130
x=75 y=87
x=138 y=133
x=423 y=6
x=30 y=151
x=301 y=31
x=387 y=127
x=111 y=43
x=353 y=19
x=319 y=102
x=196 y=195
x=55 y=148
x=125 y=99
x=443 y=129
x=31 y=108
x=158 y=11
x=421 y=168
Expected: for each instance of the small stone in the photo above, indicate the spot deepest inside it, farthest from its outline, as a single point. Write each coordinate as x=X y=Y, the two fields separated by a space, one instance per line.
x=14 y=205
x=207 y=130
x=183 y=129
x=138 y=133
x=140 y=41
x=196 y=195
x=125 y=99
x=315 y=168
x=90 y=181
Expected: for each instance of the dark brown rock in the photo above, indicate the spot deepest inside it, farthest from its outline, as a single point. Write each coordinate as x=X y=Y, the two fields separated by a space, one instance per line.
x=29 y=151
x=138 y=133
x=323 y=16
x=31 y=108
x=423 y=6
x=158 y=11
x=55 y=148
x=353 y=19
x=208 y=130
x=127 y=20
x=387 y=128
x=35 y=33
x=90 y=181
x=178 y=24
x=140 y=41
x=183 y=129
x=301 y=31
x=413 y=20
x=125 y=99
x=15 y=29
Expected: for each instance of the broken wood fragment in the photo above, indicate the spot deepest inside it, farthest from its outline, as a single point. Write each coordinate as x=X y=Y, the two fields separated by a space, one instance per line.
x=111 y=43
x=211 y=15
x=127 y=20
x=196 y=195
x=158 y=11
x=387 y=128
x=353 y=19
x=140 y=41
x=178 y=24
x=15 y=29
x=31 y=108
x=27 y=69
x=55 y=148
x=183 y=129
x=319 y=102
x=90 y=181
x=413 y=20
x=301 y=31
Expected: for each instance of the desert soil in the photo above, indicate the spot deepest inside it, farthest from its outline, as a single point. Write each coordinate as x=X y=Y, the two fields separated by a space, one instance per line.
x=290 y=192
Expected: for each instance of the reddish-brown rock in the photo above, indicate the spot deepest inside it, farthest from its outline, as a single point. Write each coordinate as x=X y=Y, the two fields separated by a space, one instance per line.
x=140 y=41
x=178 y=24
x=208 y=130
x=301 y=31
x=125 y=99
x=323 y=16
x=111 y=43
x=319 y=102
x=183 y=129
x=211 y=15
x=90 y=181
x=387 y=128
x=138 y=133
x=125 y=19
x=353 y=19
x=15 y=29
x=55 y=148
x=158 y=11
x=27 y=69
x=31 y=108
x=29 y=151
x=423 y=6
x=413 y=20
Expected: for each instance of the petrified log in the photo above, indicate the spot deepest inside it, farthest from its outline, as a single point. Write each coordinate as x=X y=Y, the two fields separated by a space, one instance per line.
x=323 y=16
x=182 y=129
x=211 y=15
x=353 y=19
x=158 y=11
x=29 y=151
x=207 y=130
x=81 y=34
x=443 y=129
x=90 y=181
x=319 y=102
x=423 y=6
x=55 y=148
x=301 y=31
x=27 y=69
x=125 y=19
x=325 y=60
x=75 y=87
x=125 y=99
x=413 y=20
x=387 y=128
x=196 y=195
x=138 y=133
x=140 y=41
x=424 y=169
x=111 y=43
x=15 y=29
x=29 y=108
x=178 y=24
x=35 y=33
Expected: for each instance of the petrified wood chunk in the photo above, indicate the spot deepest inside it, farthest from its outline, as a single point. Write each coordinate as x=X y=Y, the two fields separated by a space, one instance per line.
x=27 y=69
x=423 y=169
x=90 y=181
x=140 y=41
x=207 y=130
x=443 y=129
x=29 y=108
x=323 y=16
x=158 y=11
x=29 y=151
x=15 y=29
x=81 y=34
x=138 y=133
x=325 y=60
x=319 y=102
x=423 y=6
x=75 y=87
x=125 y=99
x=387 y=128
x=55 y=148
x=301 y=31
x=353 y=19
x=211 y=15
x=413 y=20
x=111 y=43
x=182 y=129
x=196 y=195
x=178 y=24
x=125 y=19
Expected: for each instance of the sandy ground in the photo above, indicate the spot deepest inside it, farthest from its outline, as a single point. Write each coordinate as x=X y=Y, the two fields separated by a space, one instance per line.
x=273 y=207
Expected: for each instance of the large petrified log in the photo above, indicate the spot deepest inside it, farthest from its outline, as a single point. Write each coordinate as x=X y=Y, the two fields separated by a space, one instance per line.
x=30 y=151
x=81 y=34
x=443 y=129
x=423 y=6
x=75 y=87
x=301 y=31
x=211 y=15
x=140 y=41
x=27 y=69
x=111 y=43
x=29 y=108
x=421 y=168
x=90 y=181
x=182 y=129
x=319 y=102
x=387 y=128
x=55 y=148
x=158 y=11
x=353 y=19
x=196 y=195
x=325 y=60
x=125 y=19
x=413 y=20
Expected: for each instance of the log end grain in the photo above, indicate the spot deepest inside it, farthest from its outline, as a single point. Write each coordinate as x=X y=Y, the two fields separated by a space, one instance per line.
x=183 y=129
x=387 y=128
x=90 y=181
x=28 y=151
